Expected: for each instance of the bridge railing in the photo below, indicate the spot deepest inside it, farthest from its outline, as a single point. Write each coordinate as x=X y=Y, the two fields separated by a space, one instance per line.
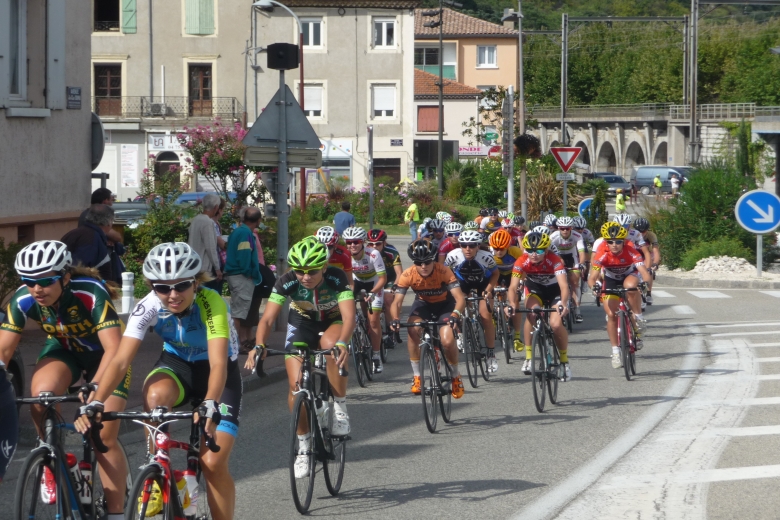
x=715 y=111
x=645 y=110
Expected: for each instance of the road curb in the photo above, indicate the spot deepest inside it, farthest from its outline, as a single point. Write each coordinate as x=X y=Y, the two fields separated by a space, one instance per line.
x=678 y=281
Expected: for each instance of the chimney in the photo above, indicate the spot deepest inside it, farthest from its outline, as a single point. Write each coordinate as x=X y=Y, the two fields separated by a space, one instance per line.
x=508 y=24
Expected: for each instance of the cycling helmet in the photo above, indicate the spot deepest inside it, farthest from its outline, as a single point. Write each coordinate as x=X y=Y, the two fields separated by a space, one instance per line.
x=377 y=235
x=624 y=219
x=441 y=214
x=422 y=250
x=426 y=220
x=641 y=224
x=541 y=229
x=170 y=261
x=471 y=225
x=327 y=235
x=355 y=233
x=502 y=214
x=507 y=222
x=500 y=239
x=580 y=222
x=470 y=237
x=493 y=212
x=533 y=224
x=613 y=231
x=510 y=215
x=308 y=254
x=42 y=257
x=566 y=222
x=534 y=240
x=453 y=227
x=550 y=220
x=436 y=224
x=518 y=221
x=483 y=212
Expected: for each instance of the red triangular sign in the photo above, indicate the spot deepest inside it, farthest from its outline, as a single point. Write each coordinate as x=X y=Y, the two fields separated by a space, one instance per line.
x=565 y=156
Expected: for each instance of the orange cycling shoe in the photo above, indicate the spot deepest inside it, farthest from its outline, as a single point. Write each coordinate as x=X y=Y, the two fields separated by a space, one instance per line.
x=457 y=387
x=416 y=385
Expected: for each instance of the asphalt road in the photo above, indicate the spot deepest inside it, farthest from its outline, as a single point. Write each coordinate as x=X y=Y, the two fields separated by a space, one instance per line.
x=695 y=435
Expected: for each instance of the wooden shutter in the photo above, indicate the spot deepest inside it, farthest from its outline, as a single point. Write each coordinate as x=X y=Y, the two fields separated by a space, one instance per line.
x=199 y=17
x=129 y=17
x=55 y=54
x=427 y=119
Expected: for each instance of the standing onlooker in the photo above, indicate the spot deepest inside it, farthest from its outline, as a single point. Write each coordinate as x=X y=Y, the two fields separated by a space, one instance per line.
x=203 y=240
x=343 y=218
x=88 y=244
x=634 y=198
x=675 y=180
x=113 y=238
x=243 y=274
x=657 y=183
x=221 y=242
x=412 y=218
x=620 y=201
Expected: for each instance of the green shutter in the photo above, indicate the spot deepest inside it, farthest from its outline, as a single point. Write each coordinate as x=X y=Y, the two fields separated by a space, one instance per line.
x=129 y=13
x=199 y=17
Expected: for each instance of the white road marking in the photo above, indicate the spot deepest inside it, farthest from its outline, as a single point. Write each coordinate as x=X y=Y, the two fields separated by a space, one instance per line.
x=747 y=431
x=664 y=294
x=708 y=294
x=691 y=478
x=764 y=345
x=683 y=309
x=751 y=333
x=767 y=359
x=745 y=324
x=776 y=294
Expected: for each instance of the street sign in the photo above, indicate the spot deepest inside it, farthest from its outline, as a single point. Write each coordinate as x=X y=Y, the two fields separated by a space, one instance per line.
x=758 y=211
x=491 y=136
x=565 y=177
x=565 y=156
x=582 y=209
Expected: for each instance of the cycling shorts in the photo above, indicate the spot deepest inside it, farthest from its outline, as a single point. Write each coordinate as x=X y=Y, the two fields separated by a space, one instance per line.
x=505 y=279
x=83 y=364
x=9 y=426
x=432 y=311
x=377 y=301
x=192 y=378
x=480 y=286
x=612 y=283
x=306 y=332
x=548 y=295
x=568 y=260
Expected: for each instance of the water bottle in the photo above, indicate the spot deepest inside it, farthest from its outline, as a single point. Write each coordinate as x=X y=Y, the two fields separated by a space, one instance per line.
x=193 y=490
x=85 y=482
x=73 y=468
x=181 y=485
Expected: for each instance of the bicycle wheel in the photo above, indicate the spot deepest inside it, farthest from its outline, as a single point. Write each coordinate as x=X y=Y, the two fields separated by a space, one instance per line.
x=553 y=370
x=625 y=354
x=502 y=328
x=367 y=352
x=632 y=346
x=538 y=369
x=357 y=359
x=139 y=506
x=201 y=498
x=479 y=333
x=302 y=488
x=27 y=502
x=445 y=389
x=384 y=338
x=99 y=500
x=334 y=468
x=569 y=319
x=470 y=347
x=429 y=385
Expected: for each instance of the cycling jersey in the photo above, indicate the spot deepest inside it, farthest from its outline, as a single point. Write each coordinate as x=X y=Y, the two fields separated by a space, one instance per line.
x=446 y=246
x=433 y=288
x=617 y=266
x=9 y=426
x=517 y=236
x=489 y=225
x=319 y=304
x=186 y=335
x=435 y=241
x=472 y=272
x=341 y=259
x=637 y=238
x=507 y=262
x=370 y=267
x=587 y=236
x=391 y=258
x=568 y=246
x=650 y=239
x=543 y=273
x=84 y=309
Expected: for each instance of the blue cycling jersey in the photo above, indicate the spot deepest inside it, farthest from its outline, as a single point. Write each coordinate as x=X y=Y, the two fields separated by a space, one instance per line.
x=474 y=271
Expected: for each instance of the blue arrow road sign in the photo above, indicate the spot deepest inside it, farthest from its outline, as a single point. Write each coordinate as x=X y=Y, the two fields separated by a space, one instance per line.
x=582 y=209
x=758 y=211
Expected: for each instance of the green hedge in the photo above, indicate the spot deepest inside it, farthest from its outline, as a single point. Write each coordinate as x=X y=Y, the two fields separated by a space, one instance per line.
x=726 y=246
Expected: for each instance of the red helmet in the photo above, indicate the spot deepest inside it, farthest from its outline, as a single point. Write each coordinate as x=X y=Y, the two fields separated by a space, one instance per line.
x=377 y=235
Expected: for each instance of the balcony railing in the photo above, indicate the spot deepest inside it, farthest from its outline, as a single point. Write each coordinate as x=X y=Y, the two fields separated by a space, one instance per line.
x=111 y=25
x=170 y=107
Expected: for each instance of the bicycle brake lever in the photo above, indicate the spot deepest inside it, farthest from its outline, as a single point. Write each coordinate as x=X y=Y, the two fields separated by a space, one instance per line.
x=97 y=442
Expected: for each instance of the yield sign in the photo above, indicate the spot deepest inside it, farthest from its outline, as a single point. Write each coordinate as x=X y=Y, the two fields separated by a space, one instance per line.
x=565 y=156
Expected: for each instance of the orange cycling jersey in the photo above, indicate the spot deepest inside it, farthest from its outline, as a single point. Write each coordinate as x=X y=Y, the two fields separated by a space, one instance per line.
x=342 y=259
x=433 y=288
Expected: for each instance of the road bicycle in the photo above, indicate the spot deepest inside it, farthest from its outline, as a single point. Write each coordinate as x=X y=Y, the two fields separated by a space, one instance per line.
x=435 y=374
x=155 y=491
x=504 y=334
x=313 y=410
x=569 y=319
x=360 y=345
x=473 y=337
x=546 y=359
x=627 y=334
x=77 y=492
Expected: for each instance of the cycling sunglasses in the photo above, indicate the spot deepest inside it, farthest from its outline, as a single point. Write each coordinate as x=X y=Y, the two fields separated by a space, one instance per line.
x=43 y=282
x=468 y=246
x=353 y=242
x=537 y=251
x=453 y=234
x=374 y=244
x=302 y=272
x=164 y=288
x=564 y=229
x=614 y=242
x=421 y=264
x=438 y=231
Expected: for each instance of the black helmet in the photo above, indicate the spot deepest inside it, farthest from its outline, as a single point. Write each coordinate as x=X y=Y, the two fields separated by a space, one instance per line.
x=641 y=224
x=493 y=212
x=518 y=221
x=483 y=212
x=533 y=224
x=422 y=250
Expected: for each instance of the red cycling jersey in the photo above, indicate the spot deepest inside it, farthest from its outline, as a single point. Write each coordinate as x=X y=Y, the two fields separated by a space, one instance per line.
x=342 y=259
x=620 y=265
x=543 y=273
x=446 y=246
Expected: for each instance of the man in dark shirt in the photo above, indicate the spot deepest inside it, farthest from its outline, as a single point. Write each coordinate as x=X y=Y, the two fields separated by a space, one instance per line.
x=343 y=218
x=88 y=243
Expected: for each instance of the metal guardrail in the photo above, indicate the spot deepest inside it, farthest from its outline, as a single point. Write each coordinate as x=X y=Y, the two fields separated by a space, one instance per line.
x=170 y=107
x=715 y=112
x=707 y=112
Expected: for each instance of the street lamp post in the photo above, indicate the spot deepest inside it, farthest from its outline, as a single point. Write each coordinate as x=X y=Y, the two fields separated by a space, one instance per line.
x=266 y=4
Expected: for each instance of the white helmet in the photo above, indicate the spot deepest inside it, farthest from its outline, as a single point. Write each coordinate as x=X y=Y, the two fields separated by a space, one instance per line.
x=471 y=225
x=42 y=257
x=355 y=233
x=580 y=222
x=565 y=222
x=436 y=224
x=550 y=219
x=470 y=237
x=624 y=219
x=507 y=223
x=327 y=235
x=441 y=214
x=447 y=218
x=541 y=229
x=170 y=261
x=502 y=214
x=453 y=227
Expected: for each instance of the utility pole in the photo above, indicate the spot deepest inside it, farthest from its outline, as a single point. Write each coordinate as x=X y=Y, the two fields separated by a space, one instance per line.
x=440 y=145
x=693 y=132
x=686 y=59
x=565 y=73
x=521 y=106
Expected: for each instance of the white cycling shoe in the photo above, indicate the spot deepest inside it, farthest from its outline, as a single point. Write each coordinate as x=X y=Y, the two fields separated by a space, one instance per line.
x=617 y=362
x=340 y=424
x=301 y=467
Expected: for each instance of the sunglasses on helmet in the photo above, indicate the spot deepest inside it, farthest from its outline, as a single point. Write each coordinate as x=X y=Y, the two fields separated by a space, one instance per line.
x=164 y=288
x=43 y=282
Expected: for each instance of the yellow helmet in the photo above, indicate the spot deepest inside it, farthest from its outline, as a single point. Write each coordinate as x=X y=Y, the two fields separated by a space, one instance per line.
x=534 y=240
x=613 y=231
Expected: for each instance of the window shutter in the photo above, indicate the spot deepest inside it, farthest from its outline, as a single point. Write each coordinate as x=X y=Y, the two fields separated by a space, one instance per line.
x=384 y=98
x=5 y=51
x=206 y=17
x=129 y=16
x=55 y=54
x=427 y=119
x=199 y=17
x=313 y=97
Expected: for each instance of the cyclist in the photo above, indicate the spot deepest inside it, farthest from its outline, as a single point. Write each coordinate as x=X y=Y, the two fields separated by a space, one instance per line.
x=622 y=264
x=9 y=426
x=580 y=226
x=453 y=230
x=377 y=239
x=74 y=307
x=516 y=230
x=437 y=297
x=322 y=314
x=436 y=228
x=476 y=269
x=339 y=256
x=423 y=230
x=544 y=276
x=625 y=220
x=368 y=270
x=198 y=362
x=550 y=221
x=491 y=223
x=482 y=214
x=571 y=249
x=643 y=226
x=505 y=256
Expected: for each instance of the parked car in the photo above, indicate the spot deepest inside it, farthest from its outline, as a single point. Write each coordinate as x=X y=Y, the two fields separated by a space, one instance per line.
x=615 y=182
x=645 y=176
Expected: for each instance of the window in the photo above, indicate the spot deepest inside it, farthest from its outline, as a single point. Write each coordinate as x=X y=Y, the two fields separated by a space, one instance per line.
x=108 y=90
x=18 y=49
x=312 y=100
x=106 y=15
x=426 y=56
x=199 y=17
x=486 y=102
x=486 y=56
x=427 y=59
x=428 y=119
x=312 y=32
x=200 y=90
x=384 y=32
x=383 y=101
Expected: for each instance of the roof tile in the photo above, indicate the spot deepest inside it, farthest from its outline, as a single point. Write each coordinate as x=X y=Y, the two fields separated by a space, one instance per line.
x=425 y=87
x=458 y=24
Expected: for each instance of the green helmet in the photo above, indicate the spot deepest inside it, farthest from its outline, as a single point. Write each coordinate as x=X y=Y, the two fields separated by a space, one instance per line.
x=309 y=253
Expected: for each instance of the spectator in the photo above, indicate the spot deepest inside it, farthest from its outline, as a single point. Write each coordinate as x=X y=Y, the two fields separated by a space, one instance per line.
x=243 y=275
x=412 y=218
x=675 y=180
x=620 y=201
x=88 y=243
x=102 y=196
x=634 y=198
x=657 y=183
x=221 y=243
x=203 y=239
x=343 y=218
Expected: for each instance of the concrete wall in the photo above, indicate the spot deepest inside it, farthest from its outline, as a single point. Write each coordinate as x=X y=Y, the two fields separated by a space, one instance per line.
x=456 y=112
x=506 y=58
x=45 y=167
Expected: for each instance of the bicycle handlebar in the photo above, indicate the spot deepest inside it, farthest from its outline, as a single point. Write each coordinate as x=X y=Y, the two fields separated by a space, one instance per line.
x=423 y=324
x=157 y=415
x=537 y=309
x=363 y=297
x=300 y=352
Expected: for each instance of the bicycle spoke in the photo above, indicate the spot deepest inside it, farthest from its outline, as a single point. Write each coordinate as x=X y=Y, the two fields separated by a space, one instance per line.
x=429 y=386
